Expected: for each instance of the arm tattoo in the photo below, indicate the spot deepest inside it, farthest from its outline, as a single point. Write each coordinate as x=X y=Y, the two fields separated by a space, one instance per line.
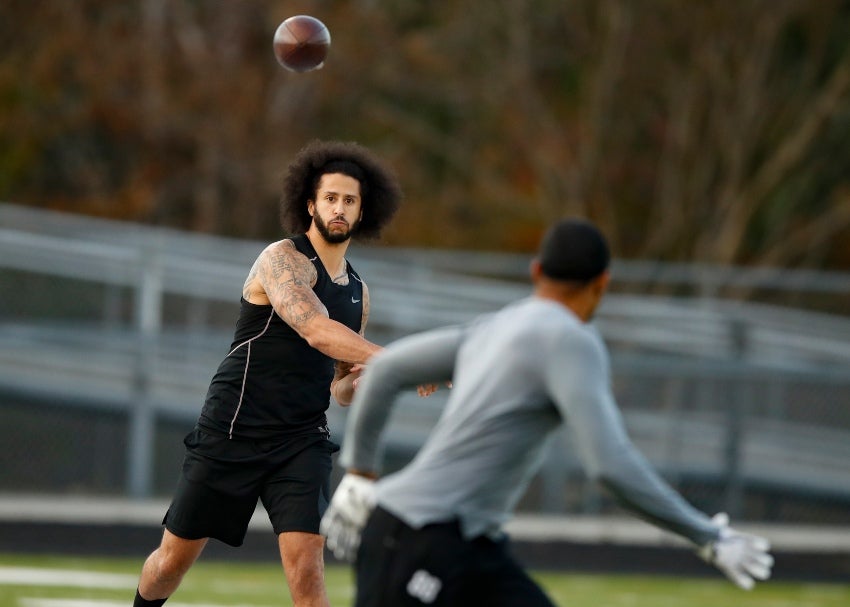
x=288 y=279
x=365 y=316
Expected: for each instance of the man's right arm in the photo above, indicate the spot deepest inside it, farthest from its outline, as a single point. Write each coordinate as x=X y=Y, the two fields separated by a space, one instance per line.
x=286 y=277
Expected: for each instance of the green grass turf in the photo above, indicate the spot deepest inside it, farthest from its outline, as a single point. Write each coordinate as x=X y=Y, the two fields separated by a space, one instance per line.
x=263 y=585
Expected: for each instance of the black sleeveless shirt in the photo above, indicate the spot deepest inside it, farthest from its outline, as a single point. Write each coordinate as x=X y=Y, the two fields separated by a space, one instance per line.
x=272 y=382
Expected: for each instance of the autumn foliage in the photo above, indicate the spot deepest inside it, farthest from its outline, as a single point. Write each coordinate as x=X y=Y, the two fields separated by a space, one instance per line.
x=714 y=131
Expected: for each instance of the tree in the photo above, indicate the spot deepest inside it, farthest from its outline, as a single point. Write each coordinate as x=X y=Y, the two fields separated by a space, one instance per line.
x=711 y=131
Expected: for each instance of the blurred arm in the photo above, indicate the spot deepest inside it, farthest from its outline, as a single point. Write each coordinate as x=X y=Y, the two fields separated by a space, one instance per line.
x=420 y=359
x=579 y=382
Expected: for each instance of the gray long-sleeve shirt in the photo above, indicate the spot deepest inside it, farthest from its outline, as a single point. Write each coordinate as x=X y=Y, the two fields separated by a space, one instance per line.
x=518 y=375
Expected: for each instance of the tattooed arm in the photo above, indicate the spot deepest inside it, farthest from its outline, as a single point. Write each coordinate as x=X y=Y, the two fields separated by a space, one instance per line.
x=284 y=278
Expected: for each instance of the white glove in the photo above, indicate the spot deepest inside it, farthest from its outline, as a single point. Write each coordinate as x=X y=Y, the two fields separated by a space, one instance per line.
x=743 y=558
x=350 y=507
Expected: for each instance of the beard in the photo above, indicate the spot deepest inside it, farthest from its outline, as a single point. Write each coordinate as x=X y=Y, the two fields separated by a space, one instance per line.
x=334 y=237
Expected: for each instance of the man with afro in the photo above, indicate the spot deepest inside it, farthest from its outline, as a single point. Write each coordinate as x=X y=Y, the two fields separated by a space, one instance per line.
x=262 y=433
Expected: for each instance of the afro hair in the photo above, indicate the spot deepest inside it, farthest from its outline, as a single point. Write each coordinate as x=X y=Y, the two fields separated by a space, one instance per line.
x=379 y=189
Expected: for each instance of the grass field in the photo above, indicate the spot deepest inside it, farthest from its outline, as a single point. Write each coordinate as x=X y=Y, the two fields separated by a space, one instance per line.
x=78 y=582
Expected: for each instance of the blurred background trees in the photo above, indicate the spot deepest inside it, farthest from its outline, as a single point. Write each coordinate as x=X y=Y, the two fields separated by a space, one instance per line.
x=712 y=131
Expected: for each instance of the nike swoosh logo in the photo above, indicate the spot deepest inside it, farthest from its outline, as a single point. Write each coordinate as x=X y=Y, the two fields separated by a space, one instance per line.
x=355 y=300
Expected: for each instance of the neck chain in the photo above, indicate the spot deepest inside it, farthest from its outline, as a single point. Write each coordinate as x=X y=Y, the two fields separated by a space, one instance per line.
x=343 y=277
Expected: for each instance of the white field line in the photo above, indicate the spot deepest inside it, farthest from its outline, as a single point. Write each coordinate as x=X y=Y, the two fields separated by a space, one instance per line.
x=32 y=576
x=39 y=602
x=34 y=602
x=72 y=578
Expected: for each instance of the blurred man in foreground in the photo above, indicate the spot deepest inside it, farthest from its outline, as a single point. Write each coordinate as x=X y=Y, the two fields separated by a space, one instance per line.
x=434 y=531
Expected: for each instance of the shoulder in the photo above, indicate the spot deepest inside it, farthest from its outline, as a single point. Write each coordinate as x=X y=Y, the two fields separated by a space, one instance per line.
x=352 y=271
x=283 y=257
x=566 y=335
x=285 y=249
x=580 y=348
x=284 y=246
x=573 y=362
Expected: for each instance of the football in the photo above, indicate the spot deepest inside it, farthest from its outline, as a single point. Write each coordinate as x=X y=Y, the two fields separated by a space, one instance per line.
x=301 y=43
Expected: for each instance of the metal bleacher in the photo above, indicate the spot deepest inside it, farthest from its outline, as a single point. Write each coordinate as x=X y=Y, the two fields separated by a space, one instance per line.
x=747 y=394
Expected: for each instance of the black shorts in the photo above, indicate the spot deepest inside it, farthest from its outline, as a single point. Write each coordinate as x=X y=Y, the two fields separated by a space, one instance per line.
x=222 y=479
x=398 y=566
